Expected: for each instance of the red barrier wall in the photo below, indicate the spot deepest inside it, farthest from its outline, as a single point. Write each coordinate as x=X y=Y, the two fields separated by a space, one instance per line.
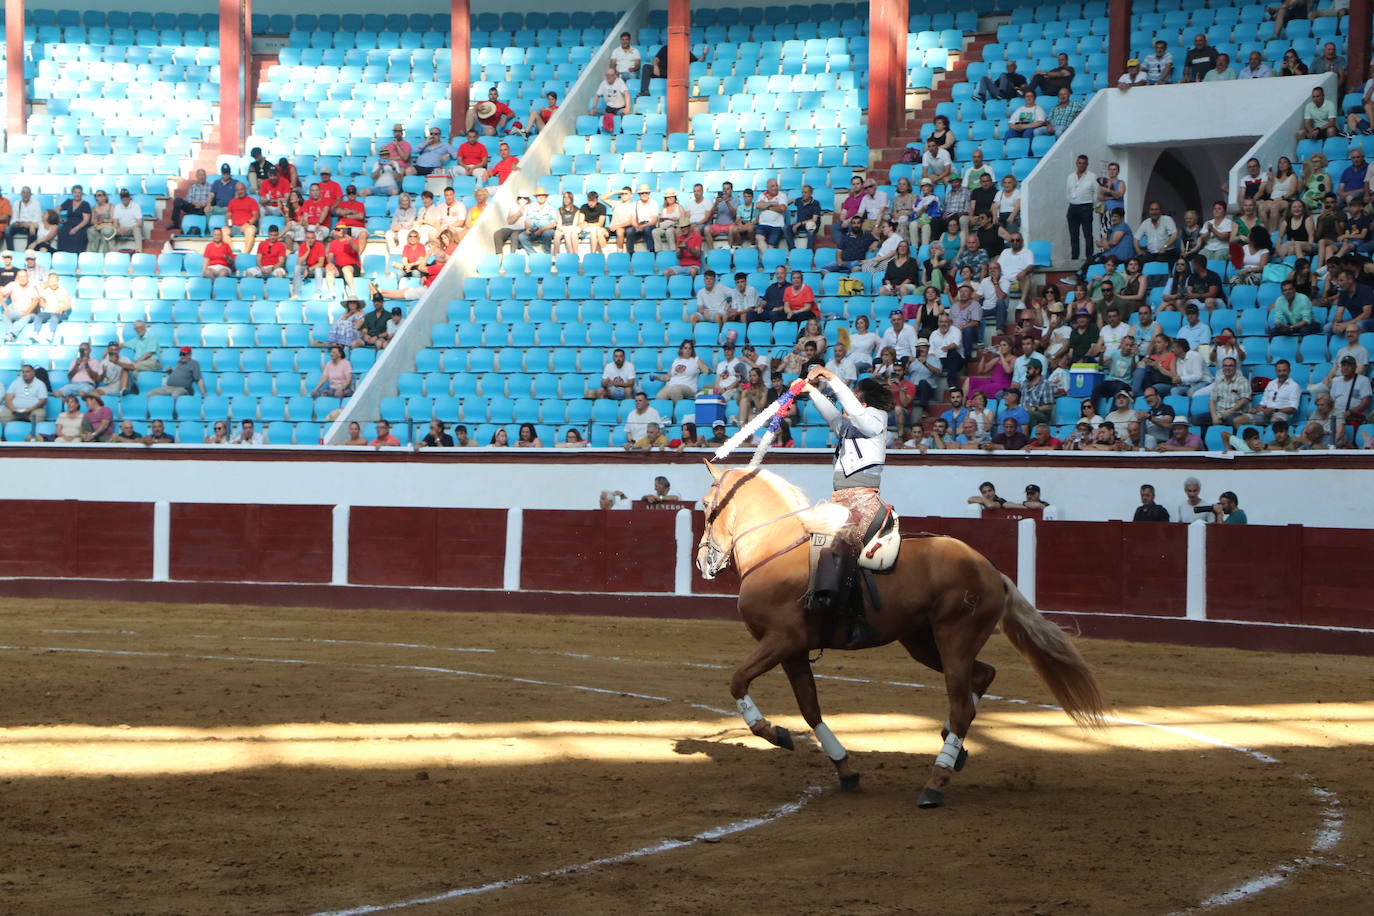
x=1336 y=568
x=214 y=542
x=450 y=548
x=994 y=538
x=1254 y=572
x=598 y=551
x=75 y=539
x=1112 y=567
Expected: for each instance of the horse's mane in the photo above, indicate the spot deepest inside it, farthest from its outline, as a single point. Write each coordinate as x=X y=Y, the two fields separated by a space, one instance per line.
x=824 y=517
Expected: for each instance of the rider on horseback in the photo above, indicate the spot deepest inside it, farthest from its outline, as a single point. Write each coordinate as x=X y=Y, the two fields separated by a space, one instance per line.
x=860 y=424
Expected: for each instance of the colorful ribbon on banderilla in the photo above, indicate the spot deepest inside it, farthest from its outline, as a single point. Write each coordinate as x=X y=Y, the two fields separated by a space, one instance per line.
x=770 y=415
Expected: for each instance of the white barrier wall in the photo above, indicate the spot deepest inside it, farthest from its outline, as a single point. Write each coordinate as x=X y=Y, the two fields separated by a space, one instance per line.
x=1276 y=490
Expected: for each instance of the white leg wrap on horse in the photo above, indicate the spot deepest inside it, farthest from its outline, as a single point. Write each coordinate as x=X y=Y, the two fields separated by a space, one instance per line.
x=950 y=752
x=829 y=743
x=748 y=710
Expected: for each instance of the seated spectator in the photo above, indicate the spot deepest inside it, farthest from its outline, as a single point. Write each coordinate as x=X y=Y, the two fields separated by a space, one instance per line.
x=681 y=377
x=1227 y=510
x=540 y=117
x=1133 y=76
x=1331 y=431
x=125 y=432
x=936 y=165
x=625 y=59
x=1282 y=440
x=689 y=245
x=437 y=437
x=355 y=435
x=21 y=302
x=1222 y=71
x=273 y=190
x=1255 y=68
x=271 y=257
x=386 y=439
x=1157 y=237
x=799 y=300
x=1010 y=438
x=987 y=497
x=344 y=259
x=1329 y=61
x=491 y=116
x=1291 y=313
x=97 y=424
x=157 y=433
x=1149 y=510
x=617 y=378
x=183 y=378
x=244 y=215
x=574 y=439
x=970 y=437
x=638 y=420
x=671 y=219
x=1318 y=117
x=591 y=222
x=336 y=379
x=375 y=331
x=806 y=219
x=1180 y=439
x=769 y=228
x=1042 y=440
x=612 y=98
x=26 y=219
x=1004 y=87
x=350 y=213
x=311 y=258
x=1049 y=82
x=436 y=151
x=1200 y=60
x=1352 y=348
x=386 y=178
x=471 y=156
x=397 y=150
x=852 y=249
x=1103 y=439
x=219 y=256
x=506 y=163
x=541 y=221
x=873 y=205
x=1279 y=400
x=1159 y=65
x=1350 y=394
x=644 y=214
x=70 y=420
x=526 y=437
x=26 y=398
x=902 y=274
x=714 y=302
x=248 y=434
x=1118 y=242
x=1351 y=302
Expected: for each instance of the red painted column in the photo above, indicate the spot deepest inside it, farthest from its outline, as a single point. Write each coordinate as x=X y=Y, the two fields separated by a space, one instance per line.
x=1357 y=54
x=1119 y=38
x=16 y=118
x=899 y=28
x=679 y=63
x=879 y=74
x=232 y=14
x=460 y=63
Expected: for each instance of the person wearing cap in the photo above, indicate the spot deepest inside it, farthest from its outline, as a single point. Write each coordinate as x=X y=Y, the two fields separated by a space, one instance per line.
x=925 y=211
x=644 y=220
x=386 y=179
x=350 y=212
x=257 y=169
x=541 y=221
x=1180 y=438
x=506 y=163
x=731 y=372
x=1132 y=77
x=1222 y=71
x=1350 y=392
x=611 y=98
x=182 y=378
x=244 y=215
x=7 y=269
x=689 y=244
x=222 y=191
x=672 y=218
x=27 y=218
x=397 y=150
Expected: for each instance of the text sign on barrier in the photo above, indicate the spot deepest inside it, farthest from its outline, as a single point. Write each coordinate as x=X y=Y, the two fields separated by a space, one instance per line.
x=671 y=504
x=1014 y=515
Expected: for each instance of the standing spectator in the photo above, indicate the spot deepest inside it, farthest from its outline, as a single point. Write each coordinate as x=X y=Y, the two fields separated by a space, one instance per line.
x=197 y=200
x=1318 y=117
x=26 y=399
x=1082 y=192
x=1199 y=61
x=540 y=223
x=244 y=214
x=75 y=216
x=1029 y=120
x=1149 y=510
x=1049 y=82
x=436 y=151
x=1228 y=511
x=1159 y=65
x=625 y=58
x=1193 y=508
x=493 y=115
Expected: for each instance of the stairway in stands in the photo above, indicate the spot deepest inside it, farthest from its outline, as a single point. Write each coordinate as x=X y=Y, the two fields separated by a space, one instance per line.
x=924 y=113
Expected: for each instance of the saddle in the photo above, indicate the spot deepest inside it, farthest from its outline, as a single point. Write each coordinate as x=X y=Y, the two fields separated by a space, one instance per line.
x=839 y=563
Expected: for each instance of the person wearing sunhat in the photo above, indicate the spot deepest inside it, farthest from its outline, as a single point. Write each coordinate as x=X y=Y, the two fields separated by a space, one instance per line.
x=1133 y=76
x=541 y=221
x=670 y=217
x=491 y=115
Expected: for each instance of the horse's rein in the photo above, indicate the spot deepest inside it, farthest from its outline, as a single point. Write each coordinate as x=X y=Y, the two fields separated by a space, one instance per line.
x=735 y=538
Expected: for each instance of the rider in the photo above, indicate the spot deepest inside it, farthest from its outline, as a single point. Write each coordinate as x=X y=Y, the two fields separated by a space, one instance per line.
x=860 y=424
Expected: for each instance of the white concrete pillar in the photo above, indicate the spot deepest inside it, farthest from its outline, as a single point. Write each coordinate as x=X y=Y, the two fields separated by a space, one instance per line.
x=1195 y=606
x=682 y=531
x=1025 y=558
x=339 y=576
x=515 y=533
x=162 y=541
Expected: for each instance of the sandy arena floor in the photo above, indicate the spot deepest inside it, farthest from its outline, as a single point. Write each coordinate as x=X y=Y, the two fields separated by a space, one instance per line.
x=217 y=760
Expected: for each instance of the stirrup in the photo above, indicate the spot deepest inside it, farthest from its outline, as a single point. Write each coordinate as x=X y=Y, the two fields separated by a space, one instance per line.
x=861 y=634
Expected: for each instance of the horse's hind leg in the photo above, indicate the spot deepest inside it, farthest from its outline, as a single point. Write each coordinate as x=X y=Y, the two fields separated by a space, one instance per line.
x=804 y=687
x=921 y=646
x=765 y=657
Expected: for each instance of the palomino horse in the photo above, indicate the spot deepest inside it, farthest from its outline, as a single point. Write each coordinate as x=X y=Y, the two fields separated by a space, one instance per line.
x=941 y=602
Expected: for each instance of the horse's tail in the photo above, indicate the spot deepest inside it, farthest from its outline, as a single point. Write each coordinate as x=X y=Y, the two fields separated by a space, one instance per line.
x=1054 y=658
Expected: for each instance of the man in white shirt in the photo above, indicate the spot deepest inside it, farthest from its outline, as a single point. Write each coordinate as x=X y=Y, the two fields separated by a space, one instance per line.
x=1016 y=260
x=900 y=336
x=771 y=207
x=1081 y=191
x=617 y=378
x=1159 y=65
x=27 y=217
x=1029 y=120
x=26 y=398
x=128 y=218
x=625 y=58
x=713 y=302
x=19 y=307
x=946 y=345
x=622 y=218
x=1133 y=76
x=994 y=291
x=698 y=210
x=842 y=364
x=1157 y=236
x=745 y=297
x=1280 y=398
x=730 y=373
x=935 y=163
x=637 y=423
x=613 y=94
x=1113 y=332
x=645 y=221
x=248 y=435
x=873 y=205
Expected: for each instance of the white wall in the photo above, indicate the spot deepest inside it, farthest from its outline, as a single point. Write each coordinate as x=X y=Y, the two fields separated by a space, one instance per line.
x=1080 y=485
x=1131 y=127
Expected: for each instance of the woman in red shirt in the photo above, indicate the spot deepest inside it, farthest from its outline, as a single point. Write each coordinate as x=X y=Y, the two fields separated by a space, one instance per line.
x=413 y=256
x=541 y=116
x=219 y=257
x=799 y=301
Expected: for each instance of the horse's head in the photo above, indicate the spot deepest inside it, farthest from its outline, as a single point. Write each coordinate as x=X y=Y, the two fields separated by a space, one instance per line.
x=713 y=551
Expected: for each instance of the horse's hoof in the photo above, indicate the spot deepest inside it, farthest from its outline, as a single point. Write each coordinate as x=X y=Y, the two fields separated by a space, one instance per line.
x=850 y=783
x=931 y=798
x=960 y=760
x=783 y=738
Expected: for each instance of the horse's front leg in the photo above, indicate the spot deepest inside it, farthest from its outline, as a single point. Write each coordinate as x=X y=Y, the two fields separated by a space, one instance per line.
x=804 y=687
x=770 y=651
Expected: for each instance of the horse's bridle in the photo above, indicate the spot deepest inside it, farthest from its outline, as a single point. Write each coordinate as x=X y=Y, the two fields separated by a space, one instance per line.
x=717 y=557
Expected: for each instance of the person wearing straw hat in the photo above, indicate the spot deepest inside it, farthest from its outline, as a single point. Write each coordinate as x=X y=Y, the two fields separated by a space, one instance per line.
x=491 y=115
x=670 y=218
x=541 y=221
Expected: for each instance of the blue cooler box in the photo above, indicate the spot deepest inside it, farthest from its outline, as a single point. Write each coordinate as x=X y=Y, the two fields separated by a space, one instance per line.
x=710 y=409
x=1083 y=378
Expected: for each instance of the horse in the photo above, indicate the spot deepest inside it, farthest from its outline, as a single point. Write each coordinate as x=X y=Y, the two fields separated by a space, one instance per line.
x=941 y=601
